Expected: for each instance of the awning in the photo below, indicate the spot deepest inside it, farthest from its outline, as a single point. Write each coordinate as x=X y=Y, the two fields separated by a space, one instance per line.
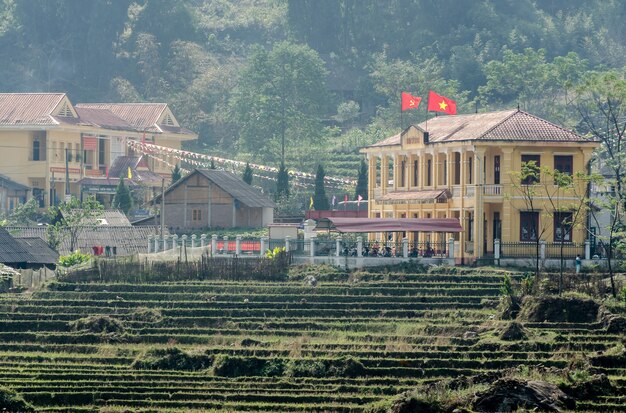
x=395 y=224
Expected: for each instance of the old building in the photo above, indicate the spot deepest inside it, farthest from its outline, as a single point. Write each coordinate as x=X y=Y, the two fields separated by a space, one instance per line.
x=208 y=198
x=464 y=167
x=12 y=194
x=49 y=145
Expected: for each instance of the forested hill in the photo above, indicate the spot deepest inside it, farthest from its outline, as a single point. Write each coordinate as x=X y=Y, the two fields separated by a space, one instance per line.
x=327 y=73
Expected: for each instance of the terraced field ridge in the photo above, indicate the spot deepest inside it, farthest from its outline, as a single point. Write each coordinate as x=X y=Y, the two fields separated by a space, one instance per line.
x=269 y=346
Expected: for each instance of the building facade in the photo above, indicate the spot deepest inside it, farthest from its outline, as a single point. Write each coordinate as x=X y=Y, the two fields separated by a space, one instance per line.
x=467 y=166
x=49 y=145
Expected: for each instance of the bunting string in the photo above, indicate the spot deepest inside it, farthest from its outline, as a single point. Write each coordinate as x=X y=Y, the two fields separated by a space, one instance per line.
x=163 y=153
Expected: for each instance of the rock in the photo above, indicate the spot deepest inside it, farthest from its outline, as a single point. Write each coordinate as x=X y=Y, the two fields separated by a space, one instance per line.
x=559 y=310
x=513 y=332
x=310 y=280
x=615 y=324
x=470 y=334
x=411 y=403
x=509 y=395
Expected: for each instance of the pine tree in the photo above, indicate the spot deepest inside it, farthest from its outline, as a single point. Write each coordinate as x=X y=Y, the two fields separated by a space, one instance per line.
x=361 y=183
x=247 y=174
x=320 y=202
x=282 y=183
x=122 y=200
x=176 y=173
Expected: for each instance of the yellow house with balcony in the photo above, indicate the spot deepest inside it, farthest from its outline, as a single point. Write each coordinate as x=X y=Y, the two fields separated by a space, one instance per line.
x=44 y=139
x=462 y=167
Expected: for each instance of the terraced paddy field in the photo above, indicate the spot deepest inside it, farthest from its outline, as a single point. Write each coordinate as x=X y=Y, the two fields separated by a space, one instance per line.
x=273 y=346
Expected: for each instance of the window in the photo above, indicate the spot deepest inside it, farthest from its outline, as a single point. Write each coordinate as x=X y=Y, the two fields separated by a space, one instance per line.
x=531 y=178
x=196 y=215
x=402 y=173
x=528 y=224
x=415 y=172
x=36 y=145
x=564 y=164
x=429 y=167
x=563 y=226
x=101 y=152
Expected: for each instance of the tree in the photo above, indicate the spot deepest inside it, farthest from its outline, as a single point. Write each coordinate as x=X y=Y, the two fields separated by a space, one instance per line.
x=600 y=101
x=176 y=173
x=282 y=183
x=25 y=214
x=247 y=174
x=122 y=199
x=361 y=182
x=280 y=99
x=69 y=219
x=320 y=201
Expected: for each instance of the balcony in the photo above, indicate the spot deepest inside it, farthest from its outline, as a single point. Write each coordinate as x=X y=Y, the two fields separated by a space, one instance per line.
x=492 y=190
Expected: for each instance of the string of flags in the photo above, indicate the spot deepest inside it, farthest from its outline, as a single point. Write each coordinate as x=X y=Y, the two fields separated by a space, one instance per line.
x=202 y=160
x=436 y=103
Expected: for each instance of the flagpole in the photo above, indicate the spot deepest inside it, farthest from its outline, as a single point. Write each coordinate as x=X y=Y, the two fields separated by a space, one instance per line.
x=400 y=112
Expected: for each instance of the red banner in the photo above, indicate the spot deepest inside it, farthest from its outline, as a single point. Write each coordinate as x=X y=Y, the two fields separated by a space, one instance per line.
x=90 y=143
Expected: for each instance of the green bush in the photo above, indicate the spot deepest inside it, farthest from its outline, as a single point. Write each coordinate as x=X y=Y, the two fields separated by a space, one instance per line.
x=74 y=258
x=171 y=358
x=235 y=366
x=305 y=368
x=347 y=366
x=148 y=315
x=101 y=324
x=10 y=401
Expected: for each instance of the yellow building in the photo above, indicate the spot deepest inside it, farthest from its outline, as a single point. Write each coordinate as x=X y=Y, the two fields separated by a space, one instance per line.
x=39 y=132
x=462 y=167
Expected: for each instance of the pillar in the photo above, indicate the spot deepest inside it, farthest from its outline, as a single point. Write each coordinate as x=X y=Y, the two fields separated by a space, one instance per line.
x=451 y=248
x=156 y=244
x=193 y=240
x=312 y=246
x=202 y=240
x=405 y=247
x=587 y=249
x=238 y=245
x=338 y=246
x=496 y=249
x=225 y=245
x=359 y=246
x=542 y=249
x=214 y=244
x=287 y=243
x=263 y=246
x=174 y=241
x=150 y=243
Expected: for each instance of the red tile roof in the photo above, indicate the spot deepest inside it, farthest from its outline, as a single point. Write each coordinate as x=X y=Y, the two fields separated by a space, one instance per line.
x=28 y=108
x=508 y=125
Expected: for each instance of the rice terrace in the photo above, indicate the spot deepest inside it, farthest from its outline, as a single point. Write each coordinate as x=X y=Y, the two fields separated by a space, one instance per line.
x=316 y=338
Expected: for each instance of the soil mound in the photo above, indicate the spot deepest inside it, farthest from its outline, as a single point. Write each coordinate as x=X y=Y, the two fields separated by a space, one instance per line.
x=597 y=385
x=559 y=310
x=514 y=331
x=509 y=395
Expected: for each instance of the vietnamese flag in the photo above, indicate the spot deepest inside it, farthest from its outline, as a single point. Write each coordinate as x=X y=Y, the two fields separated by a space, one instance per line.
x=437 y=103
x=409 y=101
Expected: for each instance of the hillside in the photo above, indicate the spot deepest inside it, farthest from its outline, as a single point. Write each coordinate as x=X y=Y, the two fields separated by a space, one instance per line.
x=280 y=346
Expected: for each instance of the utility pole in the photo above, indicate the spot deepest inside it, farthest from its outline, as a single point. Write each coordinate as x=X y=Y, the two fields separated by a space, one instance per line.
x=162 y=205
x=52 y=190
x=67 y=175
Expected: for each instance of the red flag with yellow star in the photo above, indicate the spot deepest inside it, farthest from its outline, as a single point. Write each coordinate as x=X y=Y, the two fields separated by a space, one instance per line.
x=438 y=103
x=409 y=101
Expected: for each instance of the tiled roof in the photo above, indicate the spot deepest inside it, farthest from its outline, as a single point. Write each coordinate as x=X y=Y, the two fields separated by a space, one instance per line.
x=508 y=125
x=112 y=217
x=28 y=108
x=419 y=195
x=237 y=188
x=129 y=240
x=176 y=129
x=143 y=116
x=39 y=249
x=122 y=163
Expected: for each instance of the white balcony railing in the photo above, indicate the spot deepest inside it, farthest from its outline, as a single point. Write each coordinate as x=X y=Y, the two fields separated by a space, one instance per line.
x=456 y=191
x=492 y=190
x=469 y=191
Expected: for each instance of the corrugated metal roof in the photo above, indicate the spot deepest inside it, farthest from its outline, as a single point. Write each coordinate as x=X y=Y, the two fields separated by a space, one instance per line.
x=129 y=240
x=28 y=108
x=7 y=182
x=237 y=188
x=12 y=252
x=103 y=118
x=508 y=125
x=139 y=115
x=40 y=250
x=419 y=195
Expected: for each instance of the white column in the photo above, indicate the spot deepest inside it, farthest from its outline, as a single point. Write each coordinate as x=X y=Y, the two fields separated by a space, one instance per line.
x=287 y=241
x=263 y=246
x=156 y=243
x=542 y=249
x=193 y=240
x=238 y=245
x=451 y=248
x=312 y=246
x=338 y=246
x=150 y=243
x=213 y=244
x=225 y=245
x=405 y=247
x=202 y=240
x=587 y=249
x=359 y=246
x=496 y=249
x=174 y=241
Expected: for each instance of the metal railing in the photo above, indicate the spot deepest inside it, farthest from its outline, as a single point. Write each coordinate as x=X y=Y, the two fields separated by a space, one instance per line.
x=570 y=250
x=518 y=250
x=428 y=249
